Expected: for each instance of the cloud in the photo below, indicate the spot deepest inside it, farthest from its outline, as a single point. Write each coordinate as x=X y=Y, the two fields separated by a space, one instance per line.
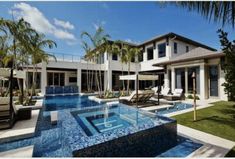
x=132 y=41
x=65 y=25
x=96 y=25
x=40 y=23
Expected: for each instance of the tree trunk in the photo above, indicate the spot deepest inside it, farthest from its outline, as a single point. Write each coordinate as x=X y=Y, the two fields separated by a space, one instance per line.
x=128 y=82
x=87 y=80
x=92 y=79
x=97 y=82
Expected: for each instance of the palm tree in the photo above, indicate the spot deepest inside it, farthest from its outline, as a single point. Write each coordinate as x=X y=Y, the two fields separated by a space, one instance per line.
x=130 y=54
x=97 y=40
x=118 y=48
x=220 y=11
x=20 y=32
x=37 y=53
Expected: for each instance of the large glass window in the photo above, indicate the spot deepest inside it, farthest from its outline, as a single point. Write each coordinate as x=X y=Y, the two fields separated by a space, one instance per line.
x=175 y=48
x=140 y=57
x=187 y=49
x=180 y=78
x=213 y=75
x=150 y=53
x=190 y=79
x=72 y=79
x=37 y=79
x=115 y=57
x=61 y=79
x=55 y=79
x=162 y=50
x=50 y=79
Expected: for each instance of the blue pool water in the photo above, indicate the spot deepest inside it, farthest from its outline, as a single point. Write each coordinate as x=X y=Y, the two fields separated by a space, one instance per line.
x=184 y=148
x=110 y=118
x=60 y=140
x=174 y=108
x=53 y=103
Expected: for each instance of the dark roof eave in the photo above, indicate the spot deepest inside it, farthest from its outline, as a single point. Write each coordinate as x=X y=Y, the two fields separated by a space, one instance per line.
x=177 y=37
x=190 y=59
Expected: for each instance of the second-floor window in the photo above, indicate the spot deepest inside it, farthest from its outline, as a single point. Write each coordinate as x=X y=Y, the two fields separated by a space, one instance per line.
x=162 y=50
x=187 y=48
x=133 y=59
x=150 y=53
x=114 y=57
x=140 y=57
x=175 y=48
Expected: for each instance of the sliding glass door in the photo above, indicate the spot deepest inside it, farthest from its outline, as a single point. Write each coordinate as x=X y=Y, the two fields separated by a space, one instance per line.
x=190 y=79
x=180 y=78
x=213 y=81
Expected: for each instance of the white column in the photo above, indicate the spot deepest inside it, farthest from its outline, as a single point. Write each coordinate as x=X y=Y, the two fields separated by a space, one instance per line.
x=166 y=79
x=202 y=81
x=222 y=94
x=43 y=77
x=186 y=80
x=106 y=80
x=109 y=82
x=172 y=79
x=79 y=79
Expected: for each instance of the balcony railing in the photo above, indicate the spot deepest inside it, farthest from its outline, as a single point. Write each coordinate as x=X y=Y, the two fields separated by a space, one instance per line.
x=67 y=57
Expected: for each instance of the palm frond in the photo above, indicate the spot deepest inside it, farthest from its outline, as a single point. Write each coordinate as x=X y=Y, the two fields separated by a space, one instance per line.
x=218 y=11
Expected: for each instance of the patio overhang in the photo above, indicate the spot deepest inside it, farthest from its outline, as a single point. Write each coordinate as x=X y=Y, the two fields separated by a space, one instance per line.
x=6 y=73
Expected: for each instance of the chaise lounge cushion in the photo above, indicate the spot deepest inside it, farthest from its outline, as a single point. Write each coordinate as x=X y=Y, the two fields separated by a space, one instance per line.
x=178 y=92
x=128 y=98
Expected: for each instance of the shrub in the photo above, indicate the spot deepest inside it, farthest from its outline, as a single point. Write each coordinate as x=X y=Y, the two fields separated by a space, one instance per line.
x=190 y=96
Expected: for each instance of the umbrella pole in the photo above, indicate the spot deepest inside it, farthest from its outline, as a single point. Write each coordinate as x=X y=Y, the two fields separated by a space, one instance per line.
x=137 y=87
x=11 y=91
x=137 y=97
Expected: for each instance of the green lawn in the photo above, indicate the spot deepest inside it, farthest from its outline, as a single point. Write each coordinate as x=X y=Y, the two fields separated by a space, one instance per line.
x=218 y=120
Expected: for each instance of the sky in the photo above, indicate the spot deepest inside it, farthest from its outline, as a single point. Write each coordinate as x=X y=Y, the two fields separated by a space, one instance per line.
x=63 y=22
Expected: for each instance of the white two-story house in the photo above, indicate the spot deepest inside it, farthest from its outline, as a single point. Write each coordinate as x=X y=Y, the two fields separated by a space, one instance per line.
x=171 y=56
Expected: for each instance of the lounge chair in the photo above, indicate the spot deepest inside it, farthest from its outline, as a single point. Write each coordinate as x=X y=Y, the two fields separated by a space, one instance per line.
x=164 y=92
x=147 y=94
x=132 y=99
x=177 y=94
x=155 y=89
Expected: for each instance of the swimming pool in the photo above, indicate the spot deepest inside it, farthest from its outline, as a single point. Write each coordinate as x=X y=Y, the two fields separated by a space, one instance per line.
x=174 y=108
x=60 y=102
x=63 y=139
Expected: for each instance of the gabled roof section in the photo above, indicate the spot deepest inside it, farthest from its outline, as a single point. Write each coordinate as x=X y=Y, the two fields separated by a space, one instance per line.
x=195 y=54
x=178 y=37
